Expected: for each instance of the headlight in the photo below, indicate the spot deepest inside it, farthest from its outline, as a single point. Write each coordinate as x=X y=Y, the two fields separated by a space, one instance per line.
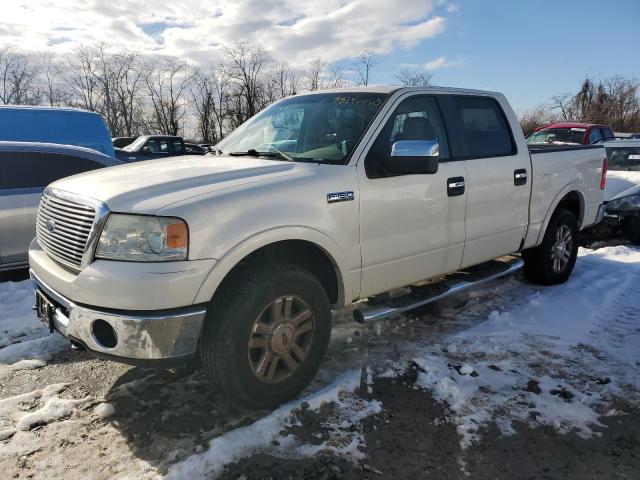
x=141 y=238
x=629 y=203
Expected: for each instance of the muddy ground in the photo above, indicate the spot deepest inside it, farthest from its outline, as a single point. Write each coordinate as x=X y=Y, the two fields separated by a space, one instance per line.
x=412 y=439
x=162 y=417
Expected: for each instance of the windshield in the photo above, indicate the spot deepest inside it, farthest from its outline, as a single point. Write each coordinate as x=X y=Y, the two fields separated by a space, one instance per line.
x=136 y=145
x=557 y=135
x=322 y=127
x=623 y=158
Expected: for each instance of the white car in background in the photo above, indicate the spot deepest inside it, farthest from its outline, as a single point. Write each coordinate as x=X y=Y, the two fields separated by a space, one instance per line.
x=622 y=192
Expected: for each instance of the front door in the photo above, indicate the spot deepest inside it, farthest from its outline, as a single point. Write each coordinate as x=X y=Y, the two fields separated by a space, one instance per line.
x=411 y=226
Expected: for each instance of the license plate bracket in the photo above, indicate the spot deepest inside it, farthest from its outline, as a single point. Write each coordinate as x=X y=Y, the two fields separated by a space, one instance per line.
x=45 y=310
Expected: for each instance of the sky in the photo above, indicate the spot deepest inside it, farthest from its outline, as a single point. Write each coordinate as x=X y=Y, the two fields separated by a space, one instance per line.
x=530 y=51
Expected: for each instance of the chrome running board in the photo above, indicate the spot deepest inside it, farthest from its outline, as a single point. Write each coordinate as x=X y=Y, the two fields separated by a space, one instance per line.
x=450 y=285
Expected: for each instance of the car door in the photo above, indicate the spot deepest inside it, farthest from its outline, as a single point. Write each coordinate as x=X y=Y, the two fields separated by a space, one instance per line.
x=20 y=191
x=497 y=178
x=177 y=146
x=23 y=178
x=411 y=225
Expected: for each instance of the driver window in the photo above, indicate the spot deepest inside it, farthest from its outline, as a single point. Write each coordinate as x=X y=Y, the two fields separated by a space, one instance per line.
x=151 y=145
x=416 y=118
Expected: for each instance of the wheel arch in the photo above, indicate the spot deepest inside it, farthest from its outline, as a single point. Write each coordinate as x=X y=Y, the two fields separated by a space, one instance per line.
x=301 y=246
x=569 y=198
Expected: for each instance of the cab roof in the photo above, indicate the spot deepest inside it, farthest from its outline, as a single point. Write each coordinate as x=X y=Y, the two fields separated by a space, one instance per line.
x=573 y=125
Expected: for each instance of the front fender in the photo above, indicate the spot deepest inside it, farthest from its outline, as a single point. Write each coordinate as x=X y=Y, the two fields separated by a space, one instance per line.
x=348 y=281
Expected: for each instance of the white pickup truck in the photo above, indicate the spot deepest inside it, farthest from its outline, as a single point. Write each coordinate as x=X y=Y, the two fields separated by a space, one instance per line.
x=320 y=201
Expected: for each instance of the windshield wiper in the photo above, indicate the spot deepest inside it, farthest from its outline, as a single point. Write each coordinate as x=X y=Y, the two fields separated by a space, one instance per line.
x=275 y=154
x=252 y=152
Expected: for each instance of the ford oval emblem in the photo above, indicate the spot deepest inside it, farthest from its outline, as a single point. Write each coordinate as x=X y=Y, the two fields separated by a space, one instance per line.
x=51 y=225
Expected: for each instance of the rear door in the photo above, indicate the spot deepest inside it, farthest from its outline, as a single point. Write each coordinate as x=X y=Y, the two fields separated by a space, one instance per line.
x=411 y=225
x=20 y=191
x=497 y=178
x=23 y=176
x=178 y=146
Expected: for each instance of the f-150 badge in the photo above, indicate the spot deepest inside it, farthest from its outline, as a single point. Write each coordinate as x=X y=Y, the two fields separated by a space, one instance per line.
x=340 y=197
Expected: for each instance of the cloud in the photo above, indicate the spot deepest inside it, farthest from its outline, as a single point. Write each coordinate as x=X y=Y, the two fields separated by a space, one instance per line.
x=291 y=30
x=442 y=62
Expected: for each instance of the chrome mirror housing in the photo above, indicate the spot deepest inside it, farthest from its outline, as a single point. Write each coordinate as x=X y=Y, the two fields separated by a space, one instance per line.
x=415 y=148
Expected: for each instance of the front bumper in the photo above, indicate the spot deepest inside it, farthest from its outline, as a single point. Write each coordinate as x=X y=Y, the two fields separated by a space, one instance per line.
x=140 y=337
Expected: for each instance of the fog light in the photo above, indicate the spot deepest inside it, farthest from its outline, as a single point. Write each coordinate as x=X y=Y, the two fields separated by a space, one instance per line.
x=104 y=334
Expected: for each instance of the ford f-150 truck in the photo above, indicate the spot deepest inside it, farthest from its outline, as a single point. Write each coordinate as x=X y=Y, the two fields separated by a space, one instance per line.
x=320 y=201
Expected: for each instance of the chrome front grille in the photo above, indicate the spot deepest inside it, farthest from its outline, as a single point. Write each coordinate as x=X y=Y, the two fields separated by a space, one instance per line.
x=63 y=228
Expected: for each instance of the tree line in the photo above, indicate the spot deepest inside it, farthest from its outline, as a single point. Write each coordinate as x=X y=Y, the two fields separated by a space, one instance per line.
x=140 y=94
x=611 y=101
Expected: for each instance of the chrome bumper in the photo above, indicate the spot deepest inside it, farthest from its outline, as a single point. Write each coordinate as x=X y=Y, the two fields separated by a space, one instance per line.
x=148 y=336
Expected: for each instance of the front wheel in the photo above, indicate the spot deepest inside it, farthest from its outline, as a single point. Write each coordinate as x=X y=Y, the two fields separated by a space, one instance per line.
x=266 y=335
x=552 y=261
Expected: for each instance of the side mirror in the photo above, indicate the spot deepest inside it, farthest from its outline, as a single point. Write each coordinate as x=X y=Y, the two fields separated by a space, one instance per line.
x=146 y=149
x=413 y=157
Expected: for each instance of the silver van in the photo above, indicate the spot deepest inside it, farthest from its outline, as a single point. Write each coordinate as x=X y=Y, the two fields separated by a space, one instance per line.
x=25 y=169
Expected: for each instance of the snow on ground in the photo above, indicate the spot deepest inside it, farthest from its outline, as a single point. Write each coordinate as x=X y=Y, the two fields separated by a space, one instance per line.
x=24 y=341
x=266 y=433
x=558 y=357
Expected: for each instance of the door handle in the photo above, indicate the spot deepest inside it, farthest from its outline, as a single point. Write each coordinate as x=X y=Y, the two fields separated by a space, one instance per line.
x=520 y=177
x=455 y=186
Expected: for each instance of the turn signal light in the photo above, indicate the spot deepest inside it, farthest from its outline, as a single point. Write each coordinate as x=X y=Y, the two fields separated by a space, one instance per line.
x=177 y=235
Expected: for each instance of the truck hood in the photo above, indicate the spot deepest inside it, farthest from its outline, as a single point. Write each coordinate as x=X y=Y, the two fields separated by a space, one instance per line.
x=620 y=184
x=146 y=187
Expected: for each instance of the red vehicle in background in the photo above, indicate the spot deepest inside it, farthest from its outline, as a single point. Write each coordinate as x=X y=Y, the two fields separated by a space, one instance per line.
x=567 y=133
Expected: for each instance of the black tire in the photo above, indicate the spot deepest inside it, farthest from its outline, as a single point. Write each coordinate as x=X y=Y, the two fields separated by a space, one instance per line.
x=224 y=350
x=634 y=230
x=538 y=263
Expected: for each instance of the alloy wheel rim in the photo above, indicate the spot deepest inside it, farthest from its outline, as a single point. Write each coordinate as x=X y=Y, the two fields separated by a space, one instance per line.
x=280 y=339
x=561 y=249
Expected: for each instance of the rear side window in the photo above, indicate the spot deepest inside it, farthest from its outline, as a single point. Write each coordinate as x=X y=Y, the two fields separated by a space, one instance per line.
x=594 y=135
x=38 y=169
x=607 y=134
x=485 y=128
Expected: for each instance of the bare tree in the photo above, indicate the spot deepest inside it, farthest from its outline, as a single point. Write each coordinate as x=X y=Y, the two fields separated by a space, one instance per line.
x=409 y=78
x=129 y=73
x=209 y=95
x=52 y=84
x=335 y=77
x=81 y=79
x=246 y=63
x=166 y=83
x=614 y=101
x=561 y=102
x=284 y=80
x=363 y=65
x=536 y=117
x=18 y=75
x=312 y=76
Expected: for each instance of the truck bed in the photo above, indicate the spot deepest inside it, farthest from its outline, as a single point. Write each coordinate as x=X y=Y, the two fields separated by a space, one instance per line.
x=550 y=147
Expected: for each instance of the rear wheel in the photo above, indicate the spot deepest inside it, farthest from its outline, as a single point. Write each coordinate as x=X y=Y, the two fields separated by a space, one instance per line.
x=266 y=335
x=552 y=262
